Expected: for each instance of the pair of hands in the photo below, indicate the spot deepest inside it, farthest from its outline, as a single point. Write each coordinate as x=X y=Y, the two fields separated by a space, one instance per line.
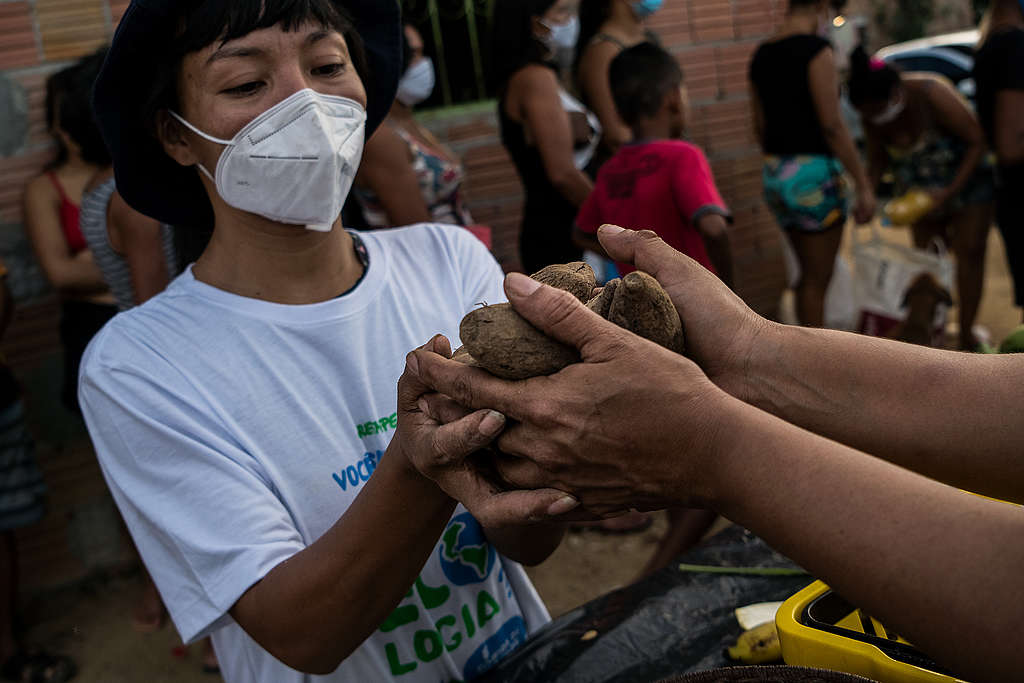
x=631 y=426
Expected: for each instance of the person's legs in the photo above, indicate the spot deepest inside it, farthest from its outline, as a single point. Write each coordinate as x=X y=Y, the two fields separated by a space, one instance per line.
x=1010 y=216
x=686 y=527
x=149 y=614
x=17 y=663
x=8 y=595
x=970 y=227
x=817 y=255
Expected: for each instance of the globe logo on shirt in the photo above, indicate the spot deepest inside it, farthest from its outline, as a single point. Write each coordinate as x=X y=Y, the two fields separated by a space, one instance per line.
x=466 y=556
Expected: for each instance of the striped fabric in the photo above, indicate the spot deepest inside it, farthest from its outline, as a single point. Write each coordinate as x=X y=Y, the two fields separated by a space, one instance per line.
x=113 y=266
x=22 y=491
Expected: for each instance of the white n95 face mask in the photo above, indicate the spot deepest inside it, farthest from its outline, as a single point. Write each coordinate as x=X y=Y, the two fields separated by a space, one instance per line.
x=294 y=163
x=418 y=83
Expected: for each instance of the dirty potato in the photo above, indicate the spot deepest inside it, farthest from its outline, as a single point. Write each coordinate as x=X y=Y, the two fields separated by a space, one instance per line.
x=509 y=347
x=576 y=278
x=640 y=305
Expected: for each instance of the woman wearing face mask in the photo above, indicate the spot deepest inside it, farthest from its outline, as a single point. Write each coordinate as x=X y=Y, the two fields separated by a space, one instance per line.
x=607 y=27
x=999 y=73
x=238 y=416
x=807 y=146
x=921 y=128
x=550 y=136
x=407 y=176
x=53 y=215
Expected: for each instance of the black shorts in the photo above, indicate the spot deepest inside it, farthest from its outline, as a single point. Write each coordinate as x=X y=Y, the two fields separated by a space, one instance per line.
x=79 y=323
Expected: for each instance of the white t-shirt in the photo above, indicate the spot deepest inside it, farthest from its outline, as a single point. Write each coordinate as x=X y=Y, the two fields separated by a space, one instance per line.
x=234 y=433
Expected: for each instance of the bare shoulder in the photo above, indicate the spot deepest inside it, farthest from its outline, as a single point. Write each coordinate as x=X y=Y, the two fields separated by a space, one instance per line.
x=923 y=80
x=534 y=77
x=385 y=143
x=599 y=53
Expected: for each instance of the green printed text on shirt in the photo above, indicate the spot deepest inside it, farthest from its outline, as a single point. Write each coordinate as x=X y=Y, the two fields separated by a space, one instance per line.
x=381 y=426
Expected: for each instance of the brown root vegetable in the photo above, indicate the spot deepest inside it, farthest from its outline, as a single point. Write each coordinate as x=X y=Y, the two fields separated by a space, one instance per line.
x=602 y=303
x=576 y=278
x=640 y=305
x=509 y=347
x=463 y=356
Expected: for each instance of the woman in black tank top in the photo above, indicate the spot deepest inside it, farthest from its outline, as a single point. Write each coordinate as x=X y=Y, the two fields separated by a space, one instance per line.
x=794 y=94
x=547 y=133
x=607 y=27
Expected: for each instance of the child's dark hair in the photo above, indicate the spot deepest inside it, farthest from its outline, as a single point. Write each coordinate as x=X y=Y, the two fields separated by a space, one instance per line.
x=641 y=77
x=515 y=46
x=203 y=22
x=871 y=80
x=69 y=108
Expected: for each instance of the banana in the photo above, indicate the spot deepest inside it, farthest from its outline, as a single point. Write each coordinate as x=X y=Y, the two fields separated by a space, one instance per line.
x=759 y=645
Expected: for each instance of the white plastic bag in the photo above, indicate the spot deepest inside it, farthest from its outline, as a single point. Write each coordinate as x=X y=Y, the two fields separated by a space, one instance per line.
x=840 y=309
x=883 y=273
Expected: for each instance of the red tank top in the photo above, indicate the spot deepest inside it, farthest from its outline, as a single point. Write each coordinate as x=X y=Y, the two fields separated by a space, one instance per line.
x=70 y=215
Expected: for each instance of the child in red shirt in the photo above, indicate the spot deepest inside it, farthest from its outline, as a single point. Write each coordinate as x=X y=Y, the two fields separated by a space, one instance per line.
x=664 y=184
x=658 y=182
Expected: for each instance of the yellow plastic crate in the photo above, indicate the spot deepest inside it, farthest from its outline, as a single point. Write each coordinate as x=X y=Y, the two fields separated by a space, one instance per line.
x=818 y=628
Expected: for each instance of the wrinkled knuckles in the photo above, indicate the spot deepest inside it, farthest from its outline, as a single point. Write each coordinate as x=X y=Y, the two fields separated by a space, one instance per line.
x=447 y=452
x=558 y=308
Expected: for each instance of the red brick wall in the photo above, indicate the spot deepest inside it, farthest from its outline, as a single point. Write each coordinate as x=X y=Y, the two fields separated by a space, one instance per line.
x=80 y=532
x=713 y=40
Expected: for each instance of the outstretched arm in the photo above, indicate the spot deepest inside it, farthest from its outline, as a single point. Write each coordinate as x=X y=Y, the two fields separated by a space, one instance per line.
x=911 y=551
x=943 y=414
x=940 y=413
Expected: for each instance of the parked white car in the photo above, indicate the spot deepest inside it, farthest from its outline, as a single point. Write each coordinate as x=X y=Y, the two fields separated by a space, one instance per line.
x=951 y=55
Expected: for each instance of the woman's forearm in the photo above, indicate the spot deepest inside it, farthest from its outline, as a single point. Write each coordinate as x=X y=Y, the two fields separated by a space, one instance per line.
x=939 y=566
x=314 y=610
x=935 y=412
x=573 y=184
x=841 y=143
x=77 y=274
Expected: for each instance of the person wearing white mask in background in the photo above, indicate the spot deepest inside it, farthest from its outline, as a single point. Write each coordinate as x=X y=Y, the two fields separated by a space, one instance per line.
x=549 y=134
x=246 y=418
x=607 y=27
x=408 y=176
x=920 y=129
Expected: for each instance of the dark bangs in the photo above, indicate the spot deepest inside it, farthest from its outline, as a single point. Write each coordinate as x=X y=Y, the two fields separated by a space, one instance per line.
x=204 y=22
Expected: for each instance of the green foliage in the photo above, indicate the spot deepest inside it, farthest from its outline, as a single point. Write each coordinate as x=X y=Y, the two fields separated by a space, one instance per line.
x=904 y=19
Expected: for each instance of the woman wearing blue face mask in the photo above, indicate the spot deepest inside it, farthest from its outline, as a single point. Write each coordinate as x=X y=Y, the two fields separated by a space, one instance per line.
x=550 y=135
x=246 y=418
x=407 y=175
x=607 y=27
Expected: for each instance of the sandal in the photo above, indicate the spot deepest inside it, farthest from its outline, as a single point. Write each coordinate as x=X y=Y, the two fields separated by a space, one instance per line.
x=40 y=667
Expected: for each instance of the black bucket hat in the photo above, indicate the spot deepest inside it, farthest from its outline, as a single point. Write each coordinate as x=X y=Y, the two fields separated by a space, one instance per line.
x=149 y=180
